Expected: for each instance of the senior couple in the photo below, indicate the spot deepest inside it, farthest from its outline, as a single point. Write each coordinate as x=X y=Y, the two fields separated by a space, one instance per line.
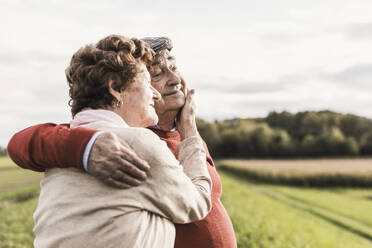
x=130 y=170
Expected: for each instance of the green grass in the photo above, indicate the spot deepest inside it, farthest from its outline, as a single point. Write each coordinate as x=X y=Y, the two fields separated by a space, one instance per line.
x=18 y=200
x=263 y=221
x=21 y=194
x=17 y=179
x=14 y=179
x=16 y=224
x=356 y=204
x=5 y=161
x=263 y=215
x=299 y=178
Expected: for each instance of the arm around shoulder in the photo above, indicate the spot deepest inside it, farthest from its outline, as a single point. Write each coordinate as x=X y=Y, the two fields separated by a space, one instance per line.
x=49 y=145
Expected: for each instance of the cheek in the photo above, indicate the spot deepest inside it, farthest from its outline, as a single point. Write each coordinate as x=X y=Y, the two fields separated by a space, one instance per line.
x=158 y=86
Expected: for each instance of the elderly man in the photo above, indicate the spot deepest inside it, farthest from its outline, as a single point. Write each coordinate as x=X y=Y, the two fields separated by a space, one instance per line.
x=101 y=153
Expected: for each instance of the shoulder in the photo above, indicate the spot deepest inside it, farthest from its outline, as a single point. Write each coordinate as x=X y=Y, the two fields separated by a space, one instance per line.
x=142 y=140
x=128 y=134
x=138 y=135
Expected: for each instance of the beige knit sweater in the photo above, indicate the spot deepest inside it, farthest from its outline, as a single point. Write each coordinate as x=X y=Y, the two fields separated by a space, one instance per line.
x=77 y=210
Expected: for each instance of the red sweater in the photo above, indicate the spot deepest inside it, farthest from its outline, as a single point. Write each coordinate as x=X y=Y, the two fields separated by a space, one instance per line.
x=48 y=145
x=215 y=230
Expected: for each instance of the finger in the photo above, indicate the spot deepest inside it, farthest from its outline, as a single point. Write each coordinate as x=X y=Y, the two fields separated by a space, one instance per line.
x=114 y=183
x=118 y=175
x=128 y=168
x=184 y=86
x=130 y=156
x=190 y=96
x=124 y=143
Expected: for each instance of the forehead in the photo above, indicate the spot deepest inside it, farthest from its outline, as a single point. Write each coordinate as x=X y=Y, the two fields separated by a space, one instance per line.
x=164 y=57
x=143 y=72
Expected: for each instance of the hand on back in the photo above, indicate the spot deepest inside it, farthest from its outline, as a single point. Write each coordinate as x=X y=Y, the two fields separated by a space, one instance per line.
x=115 y=163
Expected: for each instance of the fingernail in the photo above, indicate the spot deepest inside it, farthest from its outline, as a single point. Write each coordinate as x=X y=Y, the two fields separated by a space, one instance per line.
x=147 y=165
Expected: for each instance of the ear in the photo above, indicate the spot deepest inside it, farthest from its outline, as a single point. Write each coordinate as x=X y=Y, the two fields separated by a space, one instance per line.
x=114 y=93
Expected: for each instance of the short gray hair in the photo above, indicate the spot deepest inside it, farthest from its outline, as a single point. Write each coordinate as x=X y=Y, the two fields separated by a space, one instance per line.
x=159 y=43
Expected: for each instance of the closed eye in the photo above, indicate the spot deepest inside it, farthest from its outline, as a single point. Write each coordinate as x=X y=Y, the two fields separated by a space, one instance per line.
x=157 y=73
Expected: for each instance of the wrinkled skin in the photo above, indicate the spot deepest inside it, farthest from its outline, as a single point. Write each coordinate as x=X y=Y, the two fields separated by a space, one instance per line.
x=113 y=161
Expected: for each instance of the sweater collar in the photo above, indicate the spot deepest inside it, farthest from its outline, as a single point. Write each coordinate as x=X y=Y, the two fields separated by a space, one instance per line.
x=89 y=116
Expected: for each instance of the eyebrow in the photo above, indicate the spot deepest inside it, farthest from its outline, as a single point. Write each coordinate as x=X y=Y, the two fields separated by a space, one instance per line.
x=161 y=61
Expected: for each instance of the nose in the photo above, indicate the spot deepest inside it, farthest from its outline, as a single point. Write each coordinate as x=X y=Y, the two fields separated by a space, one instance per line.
x=155 y=94
x=173 y=78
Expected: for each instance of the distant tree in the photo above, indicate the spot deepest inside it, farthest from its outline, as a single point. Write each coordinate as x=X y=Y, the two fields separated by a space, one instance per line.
x=309 y=134
x=3 y=151
x=261 y=139
x=330 y=142
x=281 y=144
x=366 y=144
x=333 y=143
x=351 y=147
x=244 y=129
x=309 y=146
x=229 y=145
x=209 y=132
x=355 y=126
x=283 y=120
x=311 y=124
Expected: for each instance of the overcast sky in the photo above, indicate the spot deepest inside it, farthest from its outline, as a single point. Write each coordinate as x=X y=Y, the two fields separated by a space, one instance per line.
x=244 y=58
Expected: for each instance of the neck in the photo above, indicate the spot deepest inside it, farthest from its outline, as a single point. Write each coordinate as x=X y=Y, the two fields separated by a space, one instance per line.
x=167 y=120
x=126 y=119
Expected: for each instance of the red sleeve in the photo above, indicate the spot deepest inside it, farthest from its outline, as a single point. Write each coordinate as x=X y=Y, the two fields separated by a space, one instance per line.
x=49 y=145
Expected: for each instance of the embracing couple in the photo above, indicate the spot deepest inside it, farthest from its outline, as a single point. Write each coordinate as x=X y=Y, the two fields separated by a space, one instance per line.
x=130 y=170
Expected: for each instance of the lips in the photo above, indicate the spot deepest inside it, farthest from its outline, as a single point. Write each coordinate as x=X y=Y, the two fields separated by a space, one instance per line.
x=171 y=93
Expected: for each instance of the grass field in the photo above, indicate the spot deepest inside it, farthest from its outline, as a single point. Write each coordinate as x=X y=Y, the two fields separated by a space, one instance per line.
x=263 y=215
x=18 y=200
x=317 y=173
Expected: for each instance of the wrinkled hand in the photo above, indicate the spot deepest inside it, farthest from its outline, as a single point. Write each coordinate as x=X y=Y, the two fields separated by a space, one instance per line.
x=115 y=163
x=186 y=123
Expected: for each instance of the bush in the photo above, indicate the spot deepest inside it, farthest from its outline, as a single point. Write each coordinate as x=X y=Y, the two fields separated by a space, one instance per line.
x=366 y=144
x=305 y=134
x=3 y=151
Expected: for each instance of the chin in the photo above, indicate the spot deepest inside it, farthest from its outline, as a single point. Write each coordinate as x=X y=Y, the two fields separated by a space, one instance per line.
x=152 y=121
x=175 y=105
x=155 y=121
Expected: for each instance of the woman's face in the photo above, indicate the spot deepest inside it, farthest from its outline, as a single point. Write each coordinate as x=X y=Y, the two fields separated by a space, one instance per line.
x=139 y=100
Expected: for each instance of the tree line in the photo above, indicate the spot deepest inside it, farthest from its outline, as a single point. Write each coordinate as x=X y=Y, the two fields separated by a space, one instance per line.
x=3 y=151
x=286 y=135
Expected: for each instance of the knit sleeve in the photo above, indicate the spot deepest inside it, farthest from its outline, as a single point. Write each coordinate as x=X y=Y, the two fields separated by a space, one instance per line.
x=49 y=145
x=181 y=193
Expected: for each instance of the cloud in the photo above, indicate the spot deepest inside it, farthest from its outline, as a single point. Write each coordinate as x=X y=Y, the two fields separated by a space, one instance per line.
x=239 y=85
x=11 y=58
x=361 y=31
x=245 y=58
x=356 y=76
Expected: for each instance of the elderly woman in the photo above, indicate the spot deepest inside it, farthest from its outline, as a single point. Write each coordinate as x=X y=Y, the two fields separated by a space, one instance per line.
x=110 y=90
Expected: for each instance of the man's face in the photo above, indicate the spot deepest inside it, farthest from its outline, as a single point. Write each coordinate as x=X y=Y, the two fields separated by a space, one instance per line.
x=166 y=79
